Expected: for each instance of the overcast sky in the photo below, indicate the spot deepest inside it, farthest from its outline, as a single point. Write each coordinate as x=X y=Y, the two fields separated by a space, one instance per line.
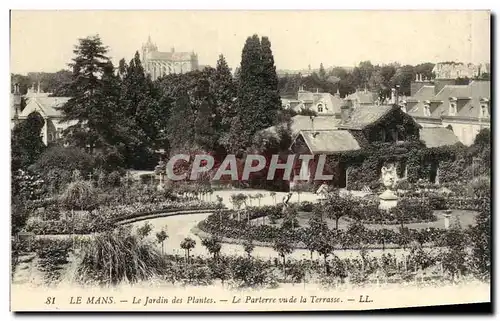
x=44 y=40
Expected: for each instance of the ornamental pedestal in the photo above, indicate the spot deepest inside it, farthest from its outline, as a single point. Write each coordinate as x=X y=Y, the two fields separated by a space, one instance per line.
x=388 y=200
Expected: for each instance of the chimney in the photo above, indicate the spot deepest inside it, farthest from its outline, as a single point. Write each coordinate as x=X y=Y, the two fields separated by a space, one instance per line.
x=38 y=88
x=366 y=90
x=317 y=90
x=312 y=122
x=172 y=50
x=416 y=77
x=337 y=94
x=345 y=111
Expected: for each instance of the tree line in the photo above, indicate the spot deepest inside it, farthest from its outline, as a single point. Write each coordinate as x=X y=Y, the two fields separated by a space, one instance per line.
x=377 y=78
x=123 y=117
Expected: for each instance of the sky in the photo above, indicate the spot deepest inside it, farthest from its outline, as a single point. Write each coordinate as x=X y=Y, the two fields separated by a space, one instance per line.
x=42 y=41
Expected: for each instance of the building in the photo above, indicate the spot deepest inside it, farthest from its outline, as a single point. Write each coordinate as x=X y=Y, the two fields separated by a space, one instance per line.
x=159 y=63
x=363 y=98
x=41 y=103
x=463 y=108
x=320 y=103
x=453 y=70
x=357 y=129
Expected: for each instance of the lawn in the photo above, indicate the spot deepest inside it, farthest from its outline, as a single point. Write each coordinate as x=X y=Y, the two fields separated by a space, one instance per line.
x=466 y=218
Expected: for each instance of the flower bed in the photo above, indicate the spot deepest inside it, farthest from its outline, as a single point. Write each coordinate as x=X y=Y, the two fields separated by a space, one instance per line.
x=103 y=219
x=230 y=228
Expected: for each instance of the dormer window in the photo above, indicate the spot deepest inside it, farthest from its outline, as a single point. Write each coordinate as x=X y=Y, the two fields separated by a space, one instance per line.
x=427 y=110
x=453 y=107
x=484 y=111
x=287 y=106
x=320 y=108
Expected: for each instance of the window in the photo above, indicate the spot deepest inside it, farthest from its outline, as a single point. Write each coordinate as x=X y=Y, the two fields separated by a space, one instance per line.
x=453 y=109
x=320 y=108
x=427 y=110
x=484 y=111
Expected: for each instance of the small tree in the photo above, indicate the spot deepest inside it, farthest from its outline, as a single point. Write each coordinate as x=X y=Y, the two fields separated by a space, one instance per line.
x=259 y=196
x=273 y=195
x=337 y=206
x=161 y=237
x=324 y=245
x=283 y=246
x=144 y=230
x=248 y=246
x=213 y=246
x=187 y=245
x=453 y=257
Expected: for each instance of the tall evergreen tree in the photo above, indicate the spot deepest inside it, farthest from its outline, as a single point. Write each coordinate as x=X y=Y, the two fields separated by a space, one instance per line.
x=249 y=117
x=270 y=98
x=88 y=66
x=140 y=106
x=223 y=89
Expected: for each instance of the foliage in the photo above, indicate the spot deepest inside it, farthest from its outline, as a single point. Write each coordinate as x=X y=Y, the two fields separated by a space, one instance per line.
x=258 y=100
x=116 y=256
x=453 y=258
x=57 y=164
x=52 y=255
x=250 y=272
x=188 y=244
x=26 y=142
x=213 y=245
x=144 y=230
x=18 y=216
x=79 y=195
x=480 y=236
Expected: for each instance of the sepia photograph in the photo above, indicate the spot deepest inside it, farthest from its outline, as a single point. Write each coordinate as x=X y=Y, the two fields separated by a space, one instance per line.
x=226 y=161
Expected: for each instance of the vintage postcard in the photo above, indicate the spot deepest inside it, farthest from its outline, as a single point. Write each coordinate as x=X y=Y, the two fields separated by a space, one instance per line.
x=249 y=160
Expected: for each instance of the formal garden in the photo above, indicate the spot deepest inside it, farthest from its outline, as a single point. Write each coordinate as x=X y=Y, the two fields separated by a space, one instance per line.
x=80 y=215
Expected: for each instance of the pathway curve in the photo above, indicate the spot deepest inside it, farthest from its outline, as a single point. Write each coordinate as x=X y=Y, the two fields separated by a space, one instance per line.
x=179 y=227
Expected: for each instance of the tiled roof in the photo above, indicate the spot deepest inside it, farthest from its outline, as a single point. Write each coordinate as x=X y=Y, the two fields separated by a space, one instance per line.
x=172 y=56
x=300 y=122
x=473 y=92
x=363 y=97
x=48 y=106
x=329 y=141
x=437 y=136
x=332 y=103
x=424 y=93
x=51 y=105
x=365 y=115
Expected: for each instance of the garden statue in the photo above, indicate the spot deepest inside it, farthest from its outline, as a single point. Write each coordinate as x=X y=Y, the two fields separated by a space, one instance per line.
x=160 y=170
x=388 y=199
x=286 y=199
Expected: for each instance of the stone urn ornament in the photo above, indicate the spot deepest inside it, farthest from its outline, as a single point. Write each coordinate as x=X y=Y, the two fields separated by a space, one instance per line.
x=388 y=199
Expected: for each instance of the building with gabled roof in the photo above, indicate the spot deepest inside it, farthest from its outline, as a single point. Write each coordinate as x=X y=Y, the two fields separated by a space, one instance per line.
x=466 y=109
x=49 y=109
x=362 y=98
x=318 y=102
